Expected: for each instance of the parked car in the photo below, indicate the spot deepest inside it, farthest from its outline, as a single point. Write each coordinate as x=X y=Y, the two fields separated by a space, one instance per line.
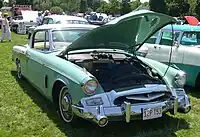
x=97 y=77
x=59 y=19
x=185 y=49
x=20 y=24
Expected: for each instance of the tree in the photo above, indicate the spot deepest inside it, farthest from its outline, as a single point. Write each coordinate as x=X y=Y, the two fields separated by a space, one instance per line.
x=45 y=5
x=158 y=6
x=96 y=4
x=90 y=3
x=64 y=6
x=135 y=4
x=83 y=6
x=56 y=10
x=24 y=2
x=1 y=3
x=178 y=7
x=146 y=3
x=197 y=9
x=114 y=6
x=104 y=7
x=125 y=7
x=193 y=4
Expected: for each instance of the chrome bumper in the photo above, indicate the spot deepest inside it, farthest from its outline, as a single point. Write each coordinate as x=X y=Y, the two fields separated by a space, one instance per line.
x=128 y=111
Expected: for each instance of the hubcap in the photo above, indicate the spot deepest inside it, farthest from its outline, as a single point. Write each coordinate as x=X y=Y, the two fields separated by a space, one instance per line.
x=19 y=74
x=65 y=106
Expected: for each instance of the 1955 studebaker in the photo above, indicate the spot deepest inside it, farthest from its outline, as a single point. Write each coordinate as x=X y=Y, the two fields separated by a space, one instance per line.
x=96 y=77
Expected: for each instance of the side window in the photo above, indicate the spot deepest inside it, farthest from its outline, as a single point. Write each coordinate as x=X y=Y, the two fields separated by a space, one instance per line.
x=190 y=38
x=166 y=38
x=153 y=38
x=41 y=41
x=50 y=21
x=45 y=21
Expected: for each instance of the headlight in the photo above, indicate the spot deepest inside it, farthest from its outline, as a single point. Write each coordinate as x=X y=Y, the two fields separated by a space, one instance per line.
x=90 y=87
x=94 y=101
x=180 y=79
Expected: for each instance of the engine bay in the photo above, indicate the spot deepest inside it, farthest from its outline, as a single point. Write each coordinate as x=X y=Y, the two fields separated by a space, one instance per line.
x=116 y=71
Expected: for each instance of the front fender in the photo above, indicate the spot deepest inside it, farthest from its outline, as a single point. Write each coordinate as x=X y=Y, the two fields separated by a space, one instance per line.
x=161 y=69
x=18 y=52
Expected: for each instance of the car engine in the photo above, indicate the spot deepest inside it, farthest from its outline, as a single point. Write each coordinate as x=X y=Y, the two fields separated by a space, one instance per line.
x=117 y=71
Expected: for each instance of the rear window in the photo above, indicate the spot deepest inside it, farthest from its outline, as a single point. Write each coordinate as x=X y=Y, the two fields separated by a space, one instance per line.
x=73 y=22
x=190 y=38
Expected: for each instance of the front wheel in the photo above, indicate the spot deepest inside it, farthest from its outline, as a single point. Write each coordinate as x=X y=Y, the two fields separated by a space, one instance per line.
x=18 y=69
x=65 y=105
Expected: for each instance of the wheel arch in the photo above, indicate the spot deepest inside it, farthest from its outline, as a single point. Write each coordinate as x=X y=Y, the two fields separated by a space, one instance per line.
x=197 y=81
x=58 y=84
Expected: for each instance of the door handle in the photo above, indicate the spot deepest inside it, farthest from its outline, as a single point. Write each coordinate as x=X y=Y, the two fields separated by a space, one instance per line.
x=155 y=47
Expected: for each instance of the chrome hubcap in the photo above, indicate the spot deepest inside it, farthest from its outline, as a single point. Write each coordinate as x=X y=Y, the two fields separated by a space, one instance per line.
x=19 y=74
x=65 y=106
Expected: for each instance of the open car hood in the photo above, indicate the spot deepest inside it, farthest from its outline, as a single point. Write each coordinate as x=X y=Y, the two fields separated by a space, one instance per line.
x=127 y=32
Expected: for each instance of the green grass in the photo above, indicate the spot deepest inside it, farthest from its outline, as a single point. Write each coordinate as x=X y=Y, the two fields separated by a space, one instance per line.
x=25 y=113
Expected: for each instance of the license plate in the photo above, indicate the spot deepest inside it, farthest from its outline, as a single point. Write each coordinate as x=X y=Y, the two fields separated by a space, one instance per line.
x=151 y=113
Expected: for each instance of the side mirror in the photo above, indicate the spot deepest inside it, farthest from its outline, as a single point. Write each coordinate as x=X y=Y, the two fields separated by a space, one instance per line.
x=176 y=44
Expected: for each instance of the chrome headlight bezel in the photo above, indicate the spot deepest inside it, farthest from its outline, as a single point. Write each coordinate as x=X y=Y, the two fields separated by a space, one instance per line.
x=180 y=79
x=90 y=86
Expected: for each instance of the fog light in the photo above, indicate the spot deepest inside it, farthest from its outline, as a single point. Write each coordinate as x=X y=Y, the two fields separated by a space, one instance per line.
x=103 y=122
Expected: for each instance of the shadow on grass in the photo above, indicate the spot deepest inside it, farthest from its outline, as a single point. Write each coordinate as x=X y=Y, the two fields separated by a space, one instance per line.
x=166 y=126
x=195 y=92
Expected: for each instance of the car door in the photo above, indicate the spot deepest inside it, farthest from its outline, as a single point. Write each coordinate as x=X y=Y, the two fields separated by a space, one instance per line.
x=151 y=45
x=36 y=54
x=161 y=50
x=167 y=47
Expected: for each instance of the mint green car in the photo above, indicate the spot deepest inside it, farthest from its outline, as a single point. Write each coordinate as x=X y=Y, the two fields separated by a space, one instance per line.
x=95 y=74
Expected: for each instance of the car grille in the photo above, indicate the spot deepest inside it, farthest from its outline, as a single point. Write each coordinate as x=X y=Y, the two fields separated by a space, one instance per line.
x=142 y=98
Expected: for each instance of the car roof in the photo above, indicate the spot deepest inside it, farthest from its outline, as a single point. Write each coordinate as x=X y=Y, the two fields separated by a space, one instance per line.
x=182 y=28
x=60 y=26
x=65 y=17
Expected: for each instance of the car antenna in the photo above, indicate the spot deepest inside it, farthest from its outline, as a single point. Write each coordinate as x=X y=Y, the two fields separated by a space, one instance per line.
x=170 y=57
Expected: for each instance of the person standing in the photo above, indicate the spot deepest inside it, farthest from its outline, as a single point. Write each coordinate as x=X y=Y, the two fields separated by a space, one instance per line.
x=39 y=19
x=5 y=26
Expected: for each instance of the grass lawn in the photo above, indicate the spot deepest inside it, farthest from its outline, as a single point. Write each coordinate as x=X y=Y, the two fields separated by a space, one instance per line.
x=24 y=112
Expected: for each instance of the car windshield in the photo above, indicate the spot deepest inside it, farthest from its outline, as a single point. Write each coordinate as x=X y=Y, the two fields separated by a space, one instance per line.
x=62 y=38
x=75 y=22
x=190 y=38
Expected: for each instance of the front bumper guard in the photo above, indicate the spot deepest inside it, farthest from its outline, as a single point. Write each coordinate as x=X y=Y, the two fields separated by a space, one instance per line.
x=99 y=114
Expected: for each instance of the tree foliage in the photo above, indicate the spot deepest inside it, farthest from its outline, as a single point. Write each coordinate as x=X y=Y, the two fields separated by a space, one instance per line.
x=83 y=6
x=125 y=7
x=158 y=6
x=56 y=10
x=171 y=7
x=1 y=3
x=197 y=8
x=178 y=7
x=135 y=4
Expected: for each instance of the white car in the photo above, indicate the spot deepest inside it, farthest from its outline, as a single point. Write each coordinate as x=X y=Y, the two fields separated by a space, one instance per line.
x=20 y=24
x=59 y=19
x=184 y=46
